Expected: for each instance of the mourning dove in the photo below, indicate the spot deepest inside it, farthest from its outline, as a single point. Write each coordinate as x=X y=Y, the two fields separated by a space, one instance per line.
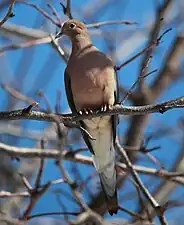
x=91 y=84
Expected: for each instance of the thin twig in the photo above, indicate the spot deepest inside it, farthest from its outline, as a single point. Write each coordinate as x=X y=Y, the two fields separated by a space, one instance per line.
x=43 y=96
x=54 y=12
x=160 y=13
x=52 y=214
x=9 y=13
x=111 y=22
x=152 y=45
x=6 y=194
x=40 y=171
x=58 y=48
x=35 y=196
x=131 y=213
x=87 y=180
x=143 y=203
x=73 y=186
x=136 y=177
x=144 y=190
x=67 y=9
x=43 y=12
x=134 y=85
x=16 y=94
x=25 y=182
x=37 y=191
x=30 y=43
x=58 y=102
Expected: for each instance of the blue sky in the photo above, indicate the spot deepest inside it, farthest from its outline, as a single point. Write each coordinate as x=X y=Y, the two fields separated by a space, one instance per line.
x=143 y=14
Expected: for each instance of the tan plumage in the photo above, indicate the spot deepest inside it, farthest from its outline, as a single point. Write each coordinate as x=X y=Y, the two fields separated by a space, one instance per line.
x=91 y=83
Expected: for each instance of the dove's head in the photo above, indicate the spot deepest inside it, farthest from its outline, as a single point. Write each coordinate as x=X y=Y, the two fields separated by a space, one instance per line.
x=72 y=28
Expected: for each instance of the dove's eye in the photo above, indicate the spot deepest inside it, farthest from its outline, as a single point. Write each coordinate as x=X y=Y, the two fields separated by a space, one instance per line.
x=72 y=25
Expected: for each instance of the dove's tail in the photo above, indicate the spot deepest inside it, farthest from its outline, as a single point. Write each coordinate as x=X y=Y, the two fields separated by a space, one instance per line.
x=109 y=187
x=108 y=180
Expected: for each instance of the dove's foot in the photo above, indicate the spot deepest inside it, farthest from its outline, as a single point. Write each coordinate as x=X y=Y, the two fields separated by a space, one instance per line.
x=86 y=112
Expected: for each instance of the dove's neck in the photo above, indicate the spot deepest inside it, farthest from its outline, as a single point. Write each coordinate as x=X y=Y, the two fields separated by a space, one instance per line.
x=80 y=43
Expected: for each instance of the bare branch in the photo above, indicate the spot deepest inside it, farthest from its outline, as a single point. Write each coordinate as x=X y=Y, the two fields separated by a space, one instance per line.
x=39 y=153
x=29 y=43
x=14 y=151
x=16 y=94
x=145 y=191
x=53 y=214
x=68 y=119
x=129 y=92
x=41 y=168
x=6 y=194
x=54 y=12
x=111 y=22
x=155 y=32
x=9 y=13
x=58 y=48
x=148 y=48
x=67 y=9
x=10 y=31
x=43 y=12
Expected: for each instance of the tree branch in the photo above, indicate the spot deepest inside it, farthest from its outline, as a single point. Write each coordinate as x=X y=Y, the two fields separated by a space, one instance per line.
x=111 y=22
x=9 y=13
x=67 y=9
x=68 y=119
x=20 y=152
x=145 y=191
x=41 y=11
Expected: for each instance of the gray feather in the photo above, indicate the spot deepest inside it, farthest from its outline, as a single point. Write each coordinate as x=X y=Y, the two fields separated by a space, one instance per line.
x=108 y=183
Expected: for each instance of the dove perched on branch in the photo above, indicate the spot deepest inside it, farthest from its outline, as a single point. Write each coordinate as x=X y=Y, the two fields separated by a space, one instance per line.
x=91 y=84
